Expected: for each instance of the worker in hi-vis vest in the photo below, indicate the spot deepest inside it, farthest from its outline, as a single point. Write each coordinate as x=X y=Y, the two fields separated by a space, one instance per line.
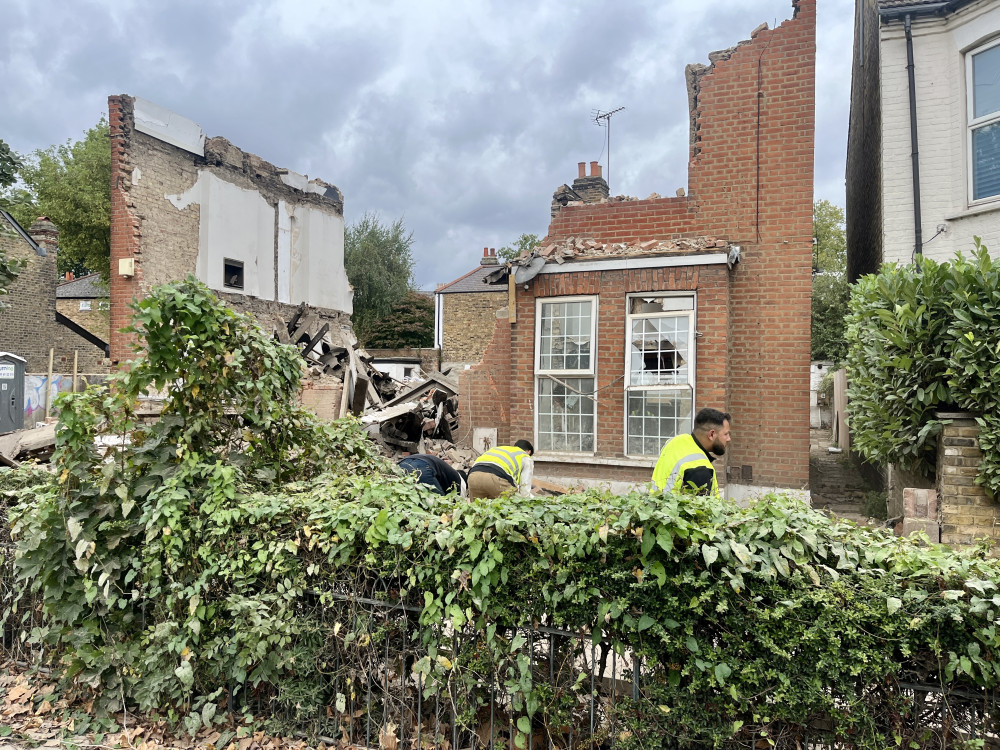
x=685 y=462
x=501 y=469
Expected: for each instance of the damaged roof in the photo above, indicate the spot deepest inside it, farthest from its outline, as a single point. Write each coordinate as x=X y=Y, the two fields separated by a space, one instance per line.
x=896 y=7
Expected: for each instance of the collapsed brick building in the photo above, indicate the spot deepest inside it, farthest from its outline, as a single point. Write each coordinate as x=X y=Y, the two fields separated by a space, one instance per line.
x=633 y=314
x=263 y=238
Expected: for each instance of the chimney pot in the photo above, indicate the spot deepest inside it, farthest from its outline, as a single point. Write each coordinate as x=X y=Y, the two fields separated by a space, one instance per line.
x=486 y=252
x=595 y=169
x=582 y=166
x=493 y=252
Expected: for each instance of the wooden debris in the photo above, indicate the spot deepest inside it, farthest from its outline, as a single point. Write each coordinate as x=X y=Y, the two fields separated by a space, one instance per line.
x=37 y=443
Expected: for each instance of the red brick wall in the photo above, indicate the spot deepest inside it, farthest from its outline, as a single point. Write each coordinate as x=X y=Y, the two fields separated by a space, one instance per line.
x=750 y=182
x=611 y=287
x=124 y=227
x=485 y=390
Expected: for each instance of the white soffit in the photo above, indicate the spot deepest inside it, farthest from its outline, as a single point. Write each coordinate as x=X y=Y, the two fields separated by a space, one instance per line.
x=169 y=127
x=626 y=264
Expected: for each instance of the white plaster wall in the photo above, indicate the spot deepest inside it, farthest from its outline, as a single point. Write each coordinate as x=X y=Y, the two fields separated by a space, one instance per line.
x=316 y=258
x=237 y=224
x=939 y=46
x=397 y=370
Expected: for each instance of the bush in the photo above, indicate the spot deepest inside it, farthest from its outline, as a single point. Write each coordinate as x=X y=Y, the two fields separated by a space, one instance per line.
x=922 y=339
x=233 y=548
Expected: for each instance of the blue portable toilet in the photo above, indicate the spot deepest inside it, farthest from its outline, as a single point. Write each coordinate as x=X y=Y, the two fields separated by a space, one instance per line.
x=11 y=392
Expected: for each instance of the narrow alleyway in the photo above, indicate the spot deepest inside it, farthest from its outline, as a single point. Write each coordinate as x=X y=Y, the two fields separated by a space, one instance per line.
x=836 y=483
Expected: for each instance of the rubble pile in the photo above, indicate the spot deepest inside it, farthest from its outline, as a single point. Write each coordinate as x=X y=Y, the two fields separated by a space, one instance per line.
x=573 y=247
x=423 y=412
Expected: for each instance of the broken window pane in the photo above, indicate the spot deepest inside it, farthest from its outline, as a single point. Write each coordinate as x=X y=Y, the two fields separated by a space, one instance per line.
x=566 y=417
x=659 y=351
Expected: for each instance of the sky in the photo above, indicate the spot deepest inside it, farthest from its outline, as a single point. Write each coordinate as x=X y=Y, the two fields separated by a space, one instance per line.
x=460 y=117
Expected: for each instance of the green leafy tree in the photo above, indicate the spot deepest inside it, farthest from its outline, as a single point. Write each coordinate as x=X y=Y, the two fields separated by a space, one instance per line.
x=410 y=323
x=829 y=238
x=379 y=264
x=9 y=164
x=830 y=290
x=524 y=243
x=71 y=184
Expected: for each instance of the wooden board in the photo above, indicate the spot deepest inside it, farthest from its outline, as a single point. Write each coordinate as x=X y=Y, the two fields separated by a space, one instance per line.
x=541 y=484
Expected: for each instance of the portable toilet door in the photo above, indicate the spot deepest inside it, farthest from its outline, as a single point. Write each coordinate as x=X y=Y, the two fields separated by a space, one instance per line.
x=11 y=392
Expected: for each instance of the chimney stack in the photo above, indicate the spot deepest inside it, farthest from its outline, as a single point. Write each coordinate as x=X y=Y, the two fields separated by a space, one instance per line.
x=592 y=189
x=489 y=257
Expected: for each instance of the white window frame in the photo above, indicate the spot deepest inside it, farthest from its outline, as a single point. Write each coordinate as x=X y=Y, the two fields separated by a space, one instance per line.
x=692 y=356
x=975 y=123
x=85 y=305
x=539 y=373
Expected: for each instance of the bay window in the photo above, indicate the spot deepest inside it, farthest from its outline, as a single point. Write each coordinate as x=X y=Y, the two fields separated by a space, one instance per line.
x=983 y=75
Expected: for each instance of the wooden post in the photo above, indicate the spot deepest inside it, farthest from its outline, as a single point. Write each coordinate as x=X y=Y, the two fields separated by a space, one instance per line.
x=76 y=362
x=511 y=299
x=48 y=386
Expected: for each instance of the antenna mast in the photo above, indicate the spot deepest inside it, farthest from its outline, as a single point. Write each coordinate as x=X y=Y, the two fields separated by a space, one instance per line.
x=603 y=119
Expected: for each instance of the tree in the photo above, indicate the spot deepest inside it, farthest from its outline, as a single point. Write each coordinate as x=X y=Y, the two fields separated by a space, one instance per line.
x=410 y=323
x=71 y=184
x=830 y=290
x=379 y=265
x=9 y=164
x=829 y=239
x=524 y=243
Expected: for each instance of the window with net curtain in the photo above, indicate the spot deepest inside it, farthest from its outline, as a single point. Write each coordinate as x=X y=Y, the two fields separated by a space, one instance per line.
x=565 y=408
x=659 y=391
x=983 y=71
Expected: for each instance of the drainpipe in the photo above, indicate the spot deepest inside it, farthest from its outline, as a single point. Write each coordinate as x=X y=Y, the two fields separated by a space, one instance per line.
x=918 y=239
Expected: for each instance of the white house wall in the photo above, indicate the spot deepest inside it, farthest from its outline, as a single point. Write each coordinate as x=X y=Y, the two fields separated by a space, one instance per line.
x=939 y=47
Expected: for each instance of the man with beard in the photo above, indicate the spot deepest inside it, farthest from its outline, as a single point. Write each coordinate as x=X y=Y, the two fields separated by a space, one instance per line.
x=685 y=463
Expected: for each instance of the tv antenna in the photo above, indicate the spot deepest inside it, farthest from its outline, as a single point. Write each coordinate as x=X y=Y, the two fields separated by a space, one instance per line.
x=603 y=119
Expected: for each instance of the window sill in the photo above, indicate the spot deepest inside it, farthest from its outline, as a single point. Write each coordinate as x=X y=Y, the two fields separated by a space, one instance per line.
x=590 y=458
x=981 y=208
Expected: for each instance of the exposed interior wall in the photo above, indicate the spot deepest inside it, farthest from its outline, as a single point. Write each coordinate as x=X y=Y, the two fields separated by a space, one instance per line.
x=750 y=181
x=28 y=326
x=185 y=204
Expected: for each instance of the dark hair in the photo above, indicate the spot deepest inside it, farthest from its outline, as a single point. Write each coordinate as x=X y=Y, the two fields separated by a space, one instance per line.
x=708 y=418
x=525 y=446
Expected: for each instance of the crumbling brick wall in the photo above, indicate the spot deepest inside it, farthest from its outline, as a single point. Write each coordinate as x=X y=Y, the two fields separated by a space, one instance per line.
x=750 y=181
x=28 y=326
x=154 y=224
x=469 y=321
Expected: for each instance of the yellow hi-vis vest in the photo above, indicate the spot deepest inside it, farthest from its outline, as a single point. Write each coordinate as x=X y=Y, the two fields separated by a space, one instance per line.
x=508 y=458
x=678 y=455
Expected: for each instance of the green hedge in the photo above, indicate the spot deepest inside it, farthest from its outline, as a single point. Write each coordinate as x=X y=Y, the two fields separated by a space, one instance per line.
x=209 y=555
x=925 y=338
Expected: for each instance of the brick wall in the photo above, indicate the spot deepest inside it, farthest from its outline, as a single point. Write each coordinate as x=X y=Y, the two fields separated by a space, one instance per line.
x=966 y=512
x=485 y=389
x=468 y=320
x=94 y=320
x=611 y=288
x=28 y=326
x=750 y=181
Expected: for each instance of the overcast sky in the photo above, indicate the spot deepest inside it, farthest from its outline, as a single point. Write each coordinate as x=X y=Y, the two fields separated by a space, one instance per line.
x=463 y=117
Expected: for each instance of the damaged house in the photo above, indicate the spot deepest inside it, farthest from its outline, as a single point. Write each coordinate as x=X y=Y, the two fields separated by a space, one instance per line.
x=631 y=315
x=267 y=240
